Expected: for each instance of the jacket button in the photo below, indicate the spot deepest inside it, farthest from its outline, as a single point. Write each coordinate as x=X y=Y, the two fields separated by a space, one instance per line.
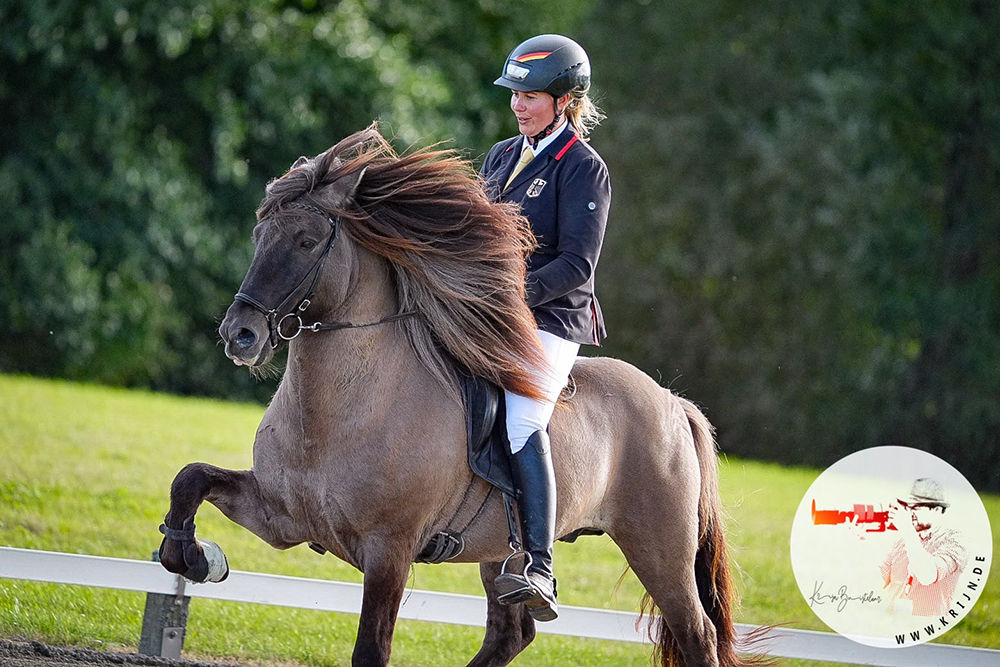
x=591 y=206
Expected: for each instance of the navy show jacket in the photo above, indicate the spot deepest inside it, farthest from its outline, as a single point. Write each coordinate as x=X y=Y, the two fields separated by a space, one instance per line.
x=565 y=193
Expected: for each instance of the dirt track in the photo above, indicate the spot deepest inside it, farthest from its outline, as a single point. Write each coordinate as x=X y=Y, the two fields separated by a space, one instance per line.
x=36 y=654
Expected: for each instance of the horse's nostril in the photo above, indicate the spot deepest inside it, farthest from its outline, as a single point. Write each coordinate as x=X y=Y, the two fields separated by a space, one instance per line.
x=246 y=338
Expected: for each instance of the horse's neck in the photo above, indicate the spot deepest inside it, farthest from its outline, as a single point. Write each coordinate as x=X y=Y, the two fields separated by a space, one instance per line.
x=349 y=373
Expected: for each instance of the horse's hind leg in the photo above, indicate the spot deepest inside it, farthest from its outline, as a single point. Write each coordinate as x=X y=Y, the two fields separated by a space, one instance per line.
x=234 y=492
x=669 y=579
x=509 y=628
x=664 y=564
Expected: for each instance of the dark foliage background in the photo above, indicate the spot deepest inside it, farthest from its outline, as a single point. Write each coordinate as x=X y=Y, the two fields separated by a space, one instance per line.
x=806 y=220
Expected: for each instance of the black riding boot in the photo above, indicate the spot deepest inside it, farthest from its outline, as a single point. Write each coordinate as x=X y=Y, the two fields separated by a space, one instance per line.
x=536 y=504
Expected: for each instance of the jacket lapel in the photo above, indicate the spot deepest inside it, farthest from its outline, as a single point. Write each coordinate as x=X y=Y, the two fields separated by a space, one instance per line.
x=508 y=160
x=551 y=153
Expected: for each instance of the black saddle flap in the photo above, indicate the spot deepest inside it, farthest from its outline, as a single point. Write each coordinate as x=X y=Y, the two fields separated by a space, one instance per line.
x=485 y=417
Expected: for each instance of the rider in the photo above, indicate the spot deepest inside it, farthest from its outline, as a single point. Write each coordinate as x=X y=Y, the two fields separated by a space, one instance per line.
x=564 y=190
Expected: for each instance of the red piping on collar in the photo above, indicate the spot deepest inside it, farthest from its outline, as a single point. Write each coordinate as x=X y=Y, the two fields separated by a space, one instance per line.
x=566 y=147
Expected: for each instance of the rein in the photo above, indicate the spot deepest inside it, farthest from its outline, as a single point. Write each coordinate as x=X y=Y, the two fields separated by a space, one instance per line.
x=276 y=322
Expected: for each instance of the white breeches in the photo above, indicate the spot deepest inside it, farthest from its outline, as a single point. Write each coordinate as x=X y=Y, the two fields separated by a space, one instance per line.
x=526 y=415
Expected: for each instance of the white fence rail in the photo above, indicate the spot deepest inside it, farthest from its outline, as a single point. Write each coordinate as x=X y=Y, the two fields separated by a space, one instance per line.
x=335 y=596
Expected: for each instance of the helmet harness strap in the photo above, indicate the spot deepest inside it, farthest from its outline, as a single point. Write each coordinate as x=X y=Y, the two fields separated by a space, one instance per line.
x=551 y=126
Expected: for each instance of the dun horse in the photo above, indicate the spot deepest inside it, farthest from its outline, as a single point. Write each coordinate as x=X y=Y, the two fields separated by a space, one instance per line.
x=410 y=277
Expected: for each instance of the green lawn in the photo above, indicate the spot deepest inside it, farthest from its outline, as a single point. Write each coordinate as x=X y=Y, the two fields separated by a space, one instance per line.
x=87 y=470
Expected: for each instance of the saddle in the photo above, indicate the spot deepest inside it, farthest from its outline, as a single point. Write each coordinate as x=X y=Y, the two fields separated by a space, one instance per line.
x=486 y=431
x=486 y=425
x=489 y=452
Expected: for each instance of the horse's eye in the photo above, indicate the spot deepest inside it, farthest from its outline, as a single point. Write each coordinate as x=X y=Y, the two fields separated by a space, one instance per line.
x=307 y=244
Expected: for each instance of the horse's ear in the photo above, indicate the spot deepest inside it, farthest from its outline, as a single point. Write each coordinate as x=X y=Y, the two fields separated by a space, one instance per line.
x=341 y=191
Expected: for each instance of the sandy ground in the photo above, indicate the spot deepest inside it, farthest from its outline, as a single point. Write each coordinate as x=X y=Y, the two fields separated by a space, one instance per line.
x=36 y=654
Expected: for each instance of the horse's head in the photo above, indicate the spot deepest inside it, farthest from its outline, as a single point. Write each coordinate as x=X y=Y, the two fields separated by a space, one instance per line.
x=297 y=243
x=422 y=245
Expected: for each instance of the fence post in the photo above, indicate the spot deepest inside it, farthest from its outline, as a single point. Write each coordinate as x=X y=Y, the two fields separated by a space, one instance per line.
x=164 y=621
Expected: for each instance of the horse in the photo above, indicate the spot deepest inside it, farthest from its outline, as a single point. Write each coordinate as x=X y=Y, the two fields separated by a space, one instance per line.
x=412 y=277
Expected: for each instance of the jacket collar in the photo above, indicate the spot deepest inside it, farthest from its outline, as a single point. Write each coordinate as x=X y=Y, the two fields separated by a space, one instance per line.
x=554 y=151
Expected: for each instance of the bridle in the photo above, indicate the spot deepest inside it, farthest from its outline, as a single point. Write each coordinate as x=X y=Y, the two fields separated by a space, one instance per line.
x=286 y=326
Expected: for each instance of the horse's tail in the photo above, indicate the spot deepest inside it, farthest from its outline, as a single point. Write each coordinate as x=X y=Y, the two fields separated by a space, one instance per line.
x=716 y=588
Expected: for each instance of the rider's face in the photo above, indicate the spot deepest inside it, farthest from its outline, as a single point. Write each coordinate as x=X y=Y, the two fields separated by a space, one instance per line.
x=534 y=111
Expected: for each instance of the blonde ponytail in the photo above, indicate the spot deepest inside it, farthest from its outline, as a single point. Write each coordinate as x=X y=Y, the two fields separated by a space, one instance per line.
x=582 y=113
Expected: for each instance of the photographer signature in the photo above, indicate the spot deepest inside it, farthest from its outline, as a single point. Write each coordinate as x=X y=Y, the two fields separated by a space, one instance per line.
x=841 y=597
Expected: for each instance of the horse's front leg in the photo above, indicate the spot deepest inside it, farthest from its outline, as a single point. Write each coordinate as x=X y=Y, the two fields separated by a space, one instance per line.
x=385 y=581
x=235 y=492
x=509 y=628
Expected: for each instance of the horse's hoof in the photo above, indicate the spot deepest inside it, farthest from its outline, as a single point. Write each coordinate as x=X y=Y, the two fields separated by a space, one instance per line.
x=205 y=562
x=218 y=566
x=199 y=561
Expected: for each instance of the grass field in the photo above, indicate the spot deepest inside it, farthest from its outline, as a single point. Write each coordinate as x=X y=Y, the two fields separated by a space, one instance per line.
x=87 y=470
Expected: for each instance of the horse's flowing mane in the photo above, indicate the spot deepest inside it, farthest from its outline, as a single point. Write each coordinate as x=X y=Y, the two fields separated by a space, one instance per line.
x=458 y=258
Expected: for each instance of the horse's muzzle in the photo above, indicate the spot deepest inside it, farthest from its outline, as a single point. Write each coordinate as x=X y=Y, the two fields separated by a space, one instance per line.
x=241 y=349
x=245 y=335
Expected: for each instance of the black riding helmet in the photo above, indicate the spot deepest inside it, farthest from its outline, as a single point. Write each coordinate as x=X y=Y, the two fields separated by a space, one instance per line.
x=550 y=63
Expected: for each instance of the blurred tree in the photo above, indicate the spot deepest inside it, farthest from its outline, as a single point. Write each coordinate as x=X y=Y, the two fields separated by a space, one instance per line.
x=137 y=136
x=793 y=194
x=936 y=69
x=804 y=234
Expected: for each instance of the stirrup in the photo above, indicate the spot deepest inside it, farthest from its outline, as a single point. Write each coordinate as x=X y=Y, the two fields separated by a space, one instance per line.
x=518 y=588
x=516 y=550
x=514 y=587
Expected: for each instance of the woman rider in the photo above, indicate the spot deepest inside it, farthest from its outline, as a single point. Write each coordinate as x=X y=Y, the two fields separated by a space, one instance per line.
x=564 y=191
